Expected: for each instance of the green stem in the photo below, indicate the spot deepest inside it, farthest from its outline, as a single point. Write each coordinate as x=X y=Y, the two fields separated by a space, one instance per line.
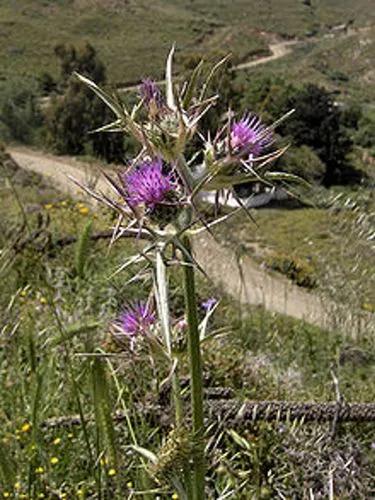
x=196 y=376
x=163 y=309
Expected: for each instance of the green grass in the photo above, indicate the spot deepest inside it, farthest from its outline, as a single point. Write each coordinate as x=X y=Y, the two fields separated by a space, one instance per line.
x=133 y=37
x=50 y=313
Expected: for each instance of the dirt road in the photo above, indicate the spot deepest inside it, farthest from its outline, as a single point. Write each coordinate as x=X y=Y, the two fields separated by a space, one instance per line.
x=244 y=279
x=278 y=50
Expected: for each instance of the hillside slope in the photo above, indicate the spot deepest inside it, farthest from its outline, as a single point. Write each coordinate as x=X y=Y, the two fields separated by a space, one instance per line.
x=133 y=36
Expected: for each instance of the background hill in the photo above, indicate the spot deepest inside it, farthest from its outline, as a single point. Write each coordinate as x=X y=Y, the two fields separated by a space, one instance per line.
x=132 y=36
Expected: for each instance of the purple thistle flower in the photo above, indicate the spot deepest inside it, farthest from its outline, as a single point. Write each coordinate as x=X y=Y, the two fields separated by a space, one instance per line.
x=147 y=184
x=250 y=135
x=150 y=92
x=135 y=320
x=209 y=304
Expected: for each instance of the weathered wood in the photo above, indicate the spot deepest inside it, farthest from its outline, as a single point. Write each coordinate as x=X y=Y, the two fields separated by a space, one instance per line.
x=240 y=414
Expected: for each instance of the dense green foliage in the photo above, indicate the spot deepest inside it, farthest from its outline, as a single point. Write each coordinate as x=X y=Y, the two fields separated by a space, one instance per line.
x=320 y=130
x=77 y=112
x=317 y=123
x=20 y=116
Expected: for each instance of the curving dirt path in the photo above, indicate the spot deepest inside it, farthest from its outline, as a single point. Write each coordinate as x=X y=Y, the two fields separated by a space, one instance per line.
x=243 y=279
x=278 y=50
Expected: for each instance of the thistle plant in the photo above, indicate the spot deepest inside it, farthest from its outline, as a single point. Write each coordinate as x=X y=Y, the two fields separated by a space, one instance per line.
x=157 y=198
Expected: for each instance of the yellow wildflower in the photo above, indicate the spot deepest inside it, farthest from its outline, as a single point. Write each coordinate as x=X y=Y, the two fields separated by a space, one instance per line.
x=129 y=484
x=48 y=206
x=26 y=427
x=175 y=496
x=368 y=307
x=23 y=293
x=43 y=300
x=56 y=441
x=17 y=485
x=112 y=472
x=54 y=460
x=39 y=470
x=84 y=210
x=6 y=494
x=63 y=203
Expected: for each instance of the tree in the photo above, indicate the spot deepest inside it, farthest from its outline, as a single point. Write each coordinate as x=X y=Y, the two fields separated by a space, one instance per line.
x=265 y=95
x=81 y=58
x=77 y=112
x=319 y=123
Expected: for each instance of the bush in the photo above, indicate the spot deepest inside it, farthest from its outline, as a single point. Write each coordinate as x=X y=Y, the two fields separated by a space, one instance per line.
x=304 y=162
x=20 y=116
x=300 y=271
x=366 y=130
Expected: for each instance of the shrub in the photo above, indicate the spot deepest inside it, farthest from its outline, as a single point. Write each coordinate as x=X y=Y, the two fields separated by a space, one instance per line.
x=304 y=162
x=300 y=271
x=366 y=130
x=20 y=116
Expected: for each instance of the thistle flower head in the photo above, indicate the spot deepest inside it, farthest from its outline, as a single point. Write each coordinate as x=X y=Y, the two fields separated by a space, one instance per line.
x=150 y=92
x=147 y=184
x=250 y=135
x=136 y=319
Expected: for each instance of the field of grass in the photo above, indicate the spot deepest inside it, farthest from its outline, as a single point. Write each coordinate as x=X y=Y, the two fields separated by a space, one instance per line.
x=133 y=37
x=55 y=313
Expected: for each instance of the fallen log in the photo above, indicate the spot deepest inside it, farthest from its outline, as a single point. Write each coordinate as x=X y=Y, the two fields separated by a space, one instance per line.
x=242 y=414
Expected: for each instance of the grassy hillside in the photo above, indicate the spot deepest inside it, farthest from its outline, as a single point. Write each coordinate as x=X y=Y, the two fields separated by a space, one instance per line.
x=133 y=36
x=341 y=62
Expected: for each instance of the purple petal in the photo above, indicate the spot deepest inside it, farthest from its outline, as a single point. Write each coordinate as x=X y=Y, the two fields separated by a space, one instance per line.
x=147 y=184
x=250 y=135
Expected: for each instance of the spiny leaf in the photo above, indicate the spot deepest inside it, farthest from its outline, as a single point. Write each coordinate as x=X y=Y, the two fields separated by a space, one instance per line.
x=102 y=407
x=106 y=98
x=212 y=74
x=74 y=330
x=145 y=453
x=169 y=81
x=82 y=249
x=192 y=85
